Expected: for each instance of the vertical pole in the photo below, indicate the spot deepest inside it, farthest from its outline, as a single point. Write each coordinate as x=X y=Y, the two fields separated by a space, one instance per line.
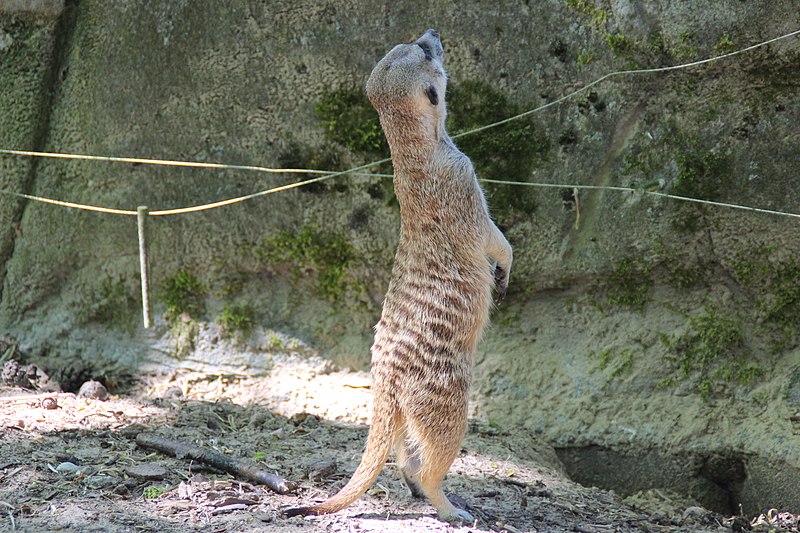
x=141 y=218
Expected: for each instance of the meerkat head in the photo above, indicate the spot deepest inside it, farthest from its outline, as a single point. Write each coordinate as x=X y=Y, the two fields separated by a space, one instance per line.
x=410 y=81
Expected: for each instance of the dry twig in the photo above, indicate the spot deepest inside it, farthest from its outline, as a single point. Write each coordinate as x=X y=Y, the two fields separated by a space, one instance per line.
x=217 y=460
x=30 y=397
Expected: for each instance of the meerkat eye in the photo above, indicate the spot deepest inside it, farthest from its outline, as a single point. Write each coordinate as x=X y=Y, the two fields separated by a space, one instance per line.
x=426 y=48
x=433 y=95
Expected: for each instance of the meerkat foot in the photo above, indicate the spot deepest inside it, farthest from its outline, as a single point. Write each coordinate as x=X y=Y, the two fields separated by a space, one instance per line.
x=413 y=486
x=409 y=470
x=454 y=514
x=445 y=510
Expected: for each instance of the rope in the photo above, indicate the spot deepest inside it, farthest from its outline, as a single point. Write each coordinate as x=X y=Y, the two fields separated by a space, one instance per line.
x=622 y=73
x=328 y=175
x=194 y=209
x=184 y=210
x=644 y=191
x=161 y=162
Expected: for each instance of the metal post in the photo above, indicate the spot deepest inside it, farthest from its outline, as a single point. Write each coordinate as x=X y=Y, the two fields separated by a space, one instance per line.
x=141 y=218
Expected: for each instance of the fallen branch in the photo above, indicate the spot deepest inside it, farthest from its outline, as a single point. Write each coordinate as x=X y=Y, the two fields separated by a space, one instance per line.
x=30 y=397
x=217 y=460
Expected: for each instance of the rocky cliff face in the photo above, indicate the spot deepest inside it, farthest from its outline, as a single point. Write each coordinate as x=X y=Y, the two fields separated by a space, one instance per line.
x=634 y=322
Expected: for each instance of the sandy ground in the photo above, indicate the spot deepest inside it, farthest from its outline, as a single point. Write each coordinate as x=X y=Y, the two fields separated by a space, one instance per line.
x=71 y=463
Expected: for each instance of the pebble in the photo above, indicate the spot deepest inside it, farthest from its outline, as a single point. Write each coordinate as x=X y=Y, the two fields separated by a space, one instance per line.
x=49 y=403
x=148 y=471
x=101 y=481
x=322 y=469
x=94 y=390
x=67 y=468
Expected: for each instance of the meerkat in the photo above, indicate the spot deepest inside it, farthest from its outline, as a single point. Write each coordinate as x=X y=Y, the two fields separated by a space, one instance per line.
x=449 y=257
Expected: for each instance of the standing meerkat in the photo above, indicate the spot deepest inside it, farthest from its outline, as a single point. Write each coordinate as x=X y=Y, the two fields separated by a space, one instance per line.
x=449 y=257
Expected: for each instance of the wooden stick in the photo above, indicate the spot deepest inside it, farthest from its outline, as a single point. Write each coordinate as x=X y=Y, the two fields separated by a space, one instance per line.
x=42 y=396
x=217 y=460
x=144 y=263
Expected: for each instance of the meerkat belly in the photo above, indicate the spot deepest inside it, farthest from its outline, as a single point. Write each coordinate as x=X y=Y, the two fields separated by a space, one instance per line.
x=433 y=317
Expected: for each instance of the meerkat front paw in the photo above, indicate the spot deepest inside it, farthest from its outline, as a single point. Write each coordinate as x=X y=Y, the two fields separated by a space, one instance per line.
x=500 y=281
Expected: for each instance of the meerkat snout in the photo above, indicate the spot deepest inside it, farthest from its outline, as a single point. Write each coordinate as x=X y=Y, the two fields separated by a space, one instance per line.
x=431 y=45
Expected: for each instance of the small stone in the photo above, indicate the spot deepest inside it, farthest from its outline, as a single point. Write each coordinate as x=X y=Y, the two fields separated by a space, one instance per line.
x=101 y=481
x=49 y=403
x=147 y=471
x=306 y=419
x=258 y=419
x=93 y=390
x=5 y=40
x=693 y=514
x=172 y=393
x=15 y=375
x=67 y=468
x=323 y=469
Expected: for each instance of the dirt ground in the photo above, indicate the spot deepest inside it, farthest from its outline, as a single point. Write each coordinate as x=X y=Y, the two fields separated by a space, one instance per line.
x=71 y=463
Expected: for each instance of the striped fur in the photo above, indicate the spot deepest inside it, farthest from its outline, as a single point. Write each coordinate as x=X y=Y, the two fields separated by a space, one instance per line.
x=449 y=257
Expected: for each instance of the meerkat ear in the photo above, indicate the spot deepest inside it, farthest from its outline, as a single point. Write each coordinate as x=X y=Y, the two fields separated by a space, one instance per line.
x=433 y=95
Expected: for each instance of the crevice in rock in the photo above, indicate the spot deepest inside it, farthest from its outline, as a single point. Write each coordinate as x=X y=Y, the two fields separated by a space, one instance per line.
x=728 y=482
x=61 y=44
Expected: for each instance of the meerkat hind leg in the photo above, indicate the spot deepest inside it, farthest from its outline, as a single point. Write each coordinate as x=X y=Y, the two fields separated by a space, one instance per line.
x=434 y=458
x=409 y=464
x=430 y=482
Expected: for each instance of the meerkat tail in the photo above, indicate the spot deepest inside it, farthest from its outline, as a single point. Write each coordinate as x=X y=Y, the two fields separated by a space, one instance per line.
x=376 y=453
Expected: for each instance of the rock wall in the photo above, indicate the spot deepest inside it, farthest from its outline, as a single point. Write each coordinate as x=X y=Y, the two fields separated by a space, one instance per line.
x=634 y=322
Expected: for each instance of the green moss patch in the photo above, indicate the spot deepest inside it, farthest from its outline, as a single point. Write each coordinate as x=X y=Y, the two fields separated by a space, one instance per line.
x=712 y=352
x=350 y=120
x=326 y=254
x=183 y=293
x=325 y=157
x=701 y=174
x=236 y=318
x=774 y=286
x=507 y=152
x=113 y=304
x=629 y=284
x=613 y=362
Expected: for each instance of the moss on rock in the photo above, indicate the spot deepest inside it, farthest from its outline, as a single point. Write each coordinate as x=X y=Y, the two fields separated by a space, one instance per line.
x=326 y=254
x=509 y=152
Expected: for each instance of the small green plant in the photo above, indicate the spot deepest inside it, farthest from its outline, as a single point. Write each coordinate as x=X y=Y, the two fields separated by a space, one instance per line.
x=275 y=342
x=774 y=288
x=684 y=49
x=700 y=176
x=350 y=120
x=327 y=254
x=585 y=57
x=236 y=318
x=598 y=16
x=617 y=362
x=183 y=293
x=619 y=44
x=507 y=152
x=325 y=157
x=725 y=45
x=151 y=493
x=629 y=284
x=713 y=351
